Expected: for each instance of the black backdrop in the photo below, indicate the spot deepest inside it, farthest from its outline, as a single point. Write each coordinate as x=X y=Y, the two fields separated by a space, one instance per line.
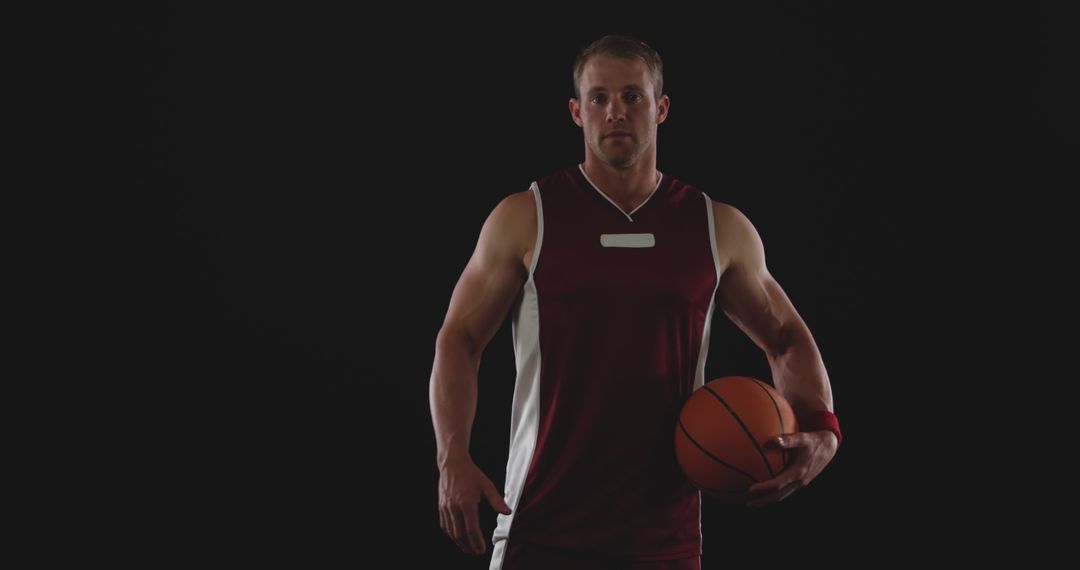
x=327 y=175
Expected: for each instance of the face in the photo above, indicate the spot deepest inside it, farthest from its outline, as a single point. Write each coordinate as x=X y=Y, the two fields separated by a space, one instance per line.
x=618 y=110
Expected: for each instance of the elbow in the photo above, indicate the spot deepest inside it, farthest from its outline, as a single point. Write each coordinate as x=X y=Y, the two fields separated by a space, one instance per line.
x=458 y=339
x=787 y=337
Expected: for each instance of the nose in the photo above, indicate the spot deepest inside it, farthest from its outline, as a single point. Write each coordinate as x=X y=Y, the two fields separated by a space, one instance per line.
x=616 y=110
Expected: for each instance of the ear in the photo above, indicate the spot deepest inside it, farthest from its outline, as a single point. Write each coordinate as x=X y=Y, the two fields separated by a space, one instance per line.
x=575 y=111
x=662 y=107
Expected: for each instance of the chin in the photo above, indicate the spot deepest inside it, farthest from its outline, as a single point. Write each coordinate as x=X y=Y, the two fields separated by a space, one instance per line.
x=609 y=159
x=619 y=160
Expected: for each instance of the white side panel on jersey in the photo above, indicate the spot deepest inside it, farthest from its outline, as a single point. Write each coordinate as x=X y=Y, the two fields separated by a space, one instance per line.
x=699 y=374
x=525 y=413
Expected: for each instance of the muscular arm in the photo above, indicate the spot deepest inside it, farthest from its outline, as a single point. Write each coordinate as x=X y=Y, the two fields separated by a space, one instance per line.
x=754 y=301
x=480 y=302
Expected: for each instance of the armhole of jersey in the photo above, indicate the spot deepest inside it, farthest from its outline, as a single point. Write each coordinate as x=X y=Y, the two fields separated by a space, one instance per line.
x=539 y=228
x=703 y=350
x=712 y=234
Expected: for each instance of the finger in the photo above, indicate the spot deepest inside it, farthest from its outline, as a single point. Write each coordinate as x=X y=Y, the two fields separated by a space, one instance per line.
x=771 y=486
x=789 y=440
x=787 y=492
x=447 y=523
x=496 y=500
x=473 y=532
x=762 y=498
x=763 y=487
x=774 y=496
x=457 y=523
x=465 y=527
x=790 y=473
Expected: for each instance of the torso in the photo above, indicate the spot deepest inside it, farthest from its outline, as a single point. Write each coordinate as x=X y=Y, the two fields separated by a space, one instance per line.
x=609 y=341
x=528 y=233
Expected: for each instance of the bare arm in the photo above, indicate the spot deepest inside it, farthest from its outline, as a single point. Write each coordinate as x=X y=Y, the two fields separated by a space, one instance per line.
x=481 y=300
x=754 y=301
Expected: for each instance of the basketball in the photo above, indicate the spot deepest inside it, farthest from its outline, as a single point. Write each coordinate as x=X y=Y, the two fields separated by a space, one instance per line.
x=721 y=435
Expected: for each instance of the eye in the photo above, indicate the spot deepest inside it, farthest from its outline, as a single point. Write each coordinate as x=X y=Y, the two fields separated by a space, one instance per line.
x=598 y=99
x=633 y=97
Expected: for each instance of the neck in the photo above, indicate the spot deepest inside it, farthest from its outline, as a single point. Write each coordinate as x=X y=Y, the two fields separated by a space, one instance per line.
x=629 y=185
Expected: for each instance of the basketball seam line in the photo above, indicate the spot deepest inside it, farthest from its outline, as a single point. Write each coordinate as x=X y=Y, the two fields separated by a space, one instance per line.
x=749 y=434
x=713 y=457
x=779 y=416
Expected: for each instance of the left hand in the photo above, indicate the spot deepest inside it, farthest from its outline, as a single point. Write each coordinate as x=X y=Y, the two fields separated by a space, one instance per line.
x=810 y=452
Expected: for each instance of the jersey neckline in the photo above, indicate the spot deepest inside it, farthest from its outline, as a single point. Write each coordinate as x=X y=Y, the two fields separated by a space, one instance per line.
x=659 y=182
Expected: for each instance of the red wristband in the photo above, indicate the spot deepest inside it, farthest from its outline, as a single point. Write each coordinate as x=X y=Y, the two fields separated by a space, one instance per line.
x=819 y=420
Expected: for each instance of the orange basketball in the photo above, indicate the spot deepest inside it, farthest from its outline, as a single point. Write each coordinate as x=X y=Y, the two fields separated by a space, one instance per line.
x=721 y=435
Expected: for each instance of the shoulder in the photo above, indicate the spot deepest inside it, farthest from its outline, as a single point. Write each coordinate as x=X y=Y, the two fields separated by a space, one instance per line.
x=511 y=226
x=729 y=216
x=736 y=236
x=516 y=209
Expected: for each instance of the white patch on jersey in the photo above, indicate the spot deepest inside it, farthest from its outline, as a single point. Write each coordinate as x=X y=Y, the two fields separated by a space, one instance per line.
x=627 y=240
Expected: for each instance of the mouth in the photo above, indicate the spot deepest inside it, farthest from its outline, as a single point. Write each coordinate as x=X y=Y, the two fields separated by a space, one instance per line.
x=617 y=135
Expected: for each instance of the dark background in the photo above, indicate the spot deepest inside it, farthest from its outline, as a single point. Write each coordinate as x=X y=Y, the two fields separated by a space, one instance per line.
x=326 y=176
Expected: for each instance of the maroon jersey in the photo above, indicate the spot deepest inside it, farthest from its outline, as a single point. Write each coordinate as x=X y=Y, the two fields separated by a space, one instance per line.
x=610 y=337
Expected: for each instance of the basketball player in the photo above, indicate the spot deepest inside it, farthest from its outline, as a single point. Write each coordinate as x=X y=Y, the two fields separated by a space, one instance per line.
x=611 y=271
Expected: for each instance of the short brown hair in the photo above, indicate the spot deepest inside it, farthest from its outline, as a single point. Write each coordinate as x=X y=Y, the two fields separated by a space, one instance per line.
x=624 y=47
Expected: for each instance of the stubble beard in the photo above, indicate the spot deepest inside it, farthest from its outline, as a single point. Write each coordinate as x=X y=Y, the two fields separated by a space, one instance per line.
x=622 y=158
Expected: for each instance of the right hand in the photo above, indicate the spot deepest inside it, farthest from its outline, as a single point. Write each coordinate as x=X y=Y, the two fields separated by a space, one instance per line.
x=461 y=485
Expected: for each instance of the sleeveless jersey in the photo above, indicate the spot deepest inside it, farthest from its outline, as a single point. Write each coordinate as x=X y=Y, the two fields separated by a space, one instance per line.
x=610 y=335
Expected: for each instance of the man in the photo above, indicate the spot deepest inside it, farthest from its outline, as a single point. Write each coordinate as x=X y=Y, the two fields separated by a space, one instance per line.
x=611 y=269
